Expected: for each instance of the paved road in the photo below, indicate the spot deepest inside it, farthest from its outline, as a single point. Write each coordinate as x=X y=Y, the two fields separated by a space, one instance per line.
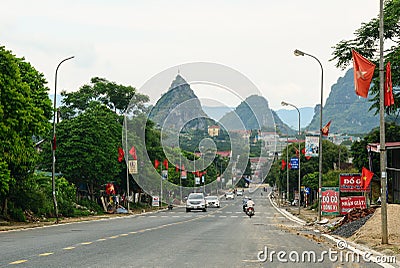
x=223 y=237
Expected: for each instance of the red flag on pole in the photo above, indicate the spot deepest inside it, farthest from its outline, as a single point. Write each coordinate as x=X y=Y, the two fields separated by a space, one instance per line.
x=283 y=164
x=389 y=100
x=363 y=73
x=366 y=176
x=325 y=129
x=120 y=154
x=156 y=163
x=54 y=143
x=165 y=163
x=132 y=152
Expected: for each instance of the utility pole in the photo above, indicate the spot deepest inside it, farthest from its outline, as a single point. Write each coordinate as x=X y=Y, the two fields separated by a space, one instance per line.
x=382 y=130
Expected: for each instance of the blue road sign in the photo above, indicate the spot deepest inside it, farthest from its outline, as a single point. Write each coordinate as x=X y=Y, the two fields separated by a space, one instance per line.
x=294 y=163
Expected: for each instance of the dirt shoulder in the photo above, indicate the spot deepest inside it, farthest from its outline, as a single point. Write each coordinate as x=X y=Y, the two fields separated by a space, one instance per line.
x=368 y=235
x=11 y=225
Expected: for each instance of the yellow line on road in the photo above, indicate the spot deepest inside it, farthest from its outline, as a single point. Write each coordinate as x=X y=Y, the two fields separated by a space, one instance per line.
x=86 y=243
x=69 y=248
x=46 y=254
x=101 y=239
x=112 y=237
x=123 y=234
x=18 y=262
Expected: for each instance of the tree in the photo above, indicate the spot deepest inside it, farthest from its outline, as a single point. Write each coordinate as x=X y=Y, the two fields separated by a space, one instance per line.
x=117 y=98
x=366 y=42
x=308 y=167
x=359 y=149
x=25 y=110
x=87 y=147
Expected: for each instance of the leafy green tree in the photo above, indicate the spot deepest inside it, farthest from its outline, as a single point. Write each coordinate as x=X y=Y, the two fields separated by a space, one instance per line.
x=25 y=110
x=308 y=167
x=366 y=42
x=115 y=97
x=359 y=149
x=87 y=147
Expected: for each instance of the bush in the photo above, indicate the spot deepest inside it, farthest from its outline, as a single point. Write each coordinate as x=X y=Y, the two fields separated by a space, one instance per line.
x=91 y=205
x=17 y=214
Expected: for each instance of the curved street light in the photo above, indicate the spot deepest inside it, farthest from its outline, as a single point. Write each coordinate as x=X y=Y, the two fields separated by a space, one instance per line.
x=288 y=104
x=301 y=53
x=53 y=183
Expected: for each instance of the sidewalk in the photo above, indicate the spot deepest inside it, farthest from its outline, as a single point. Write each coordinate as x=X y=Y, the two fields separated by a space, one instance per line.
x=308 y=219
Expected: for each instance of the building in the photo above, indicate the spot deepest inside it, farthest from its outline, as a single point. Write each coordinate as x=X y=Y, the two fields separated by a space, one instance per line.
x=213 y=130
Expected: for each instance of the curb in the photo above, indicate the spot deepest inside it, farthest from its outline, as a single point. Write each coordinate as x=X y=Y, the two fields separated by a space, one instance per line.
x=372 y=255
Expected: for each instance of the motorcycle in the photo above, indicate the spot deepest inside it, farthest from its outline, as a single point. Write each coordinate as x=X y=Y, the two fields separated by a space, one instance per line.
x=250 y=211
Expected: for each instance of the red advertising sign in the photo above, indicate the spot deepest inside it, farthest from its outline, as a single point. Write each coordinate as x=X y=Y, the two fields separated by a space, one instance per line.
x=350 y=202
x=351 y=183
x=330 y=200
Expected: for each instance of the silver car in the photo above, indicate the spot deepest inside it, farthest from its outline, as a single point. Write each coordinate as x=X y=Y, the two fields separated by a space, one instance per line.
x=196 y=201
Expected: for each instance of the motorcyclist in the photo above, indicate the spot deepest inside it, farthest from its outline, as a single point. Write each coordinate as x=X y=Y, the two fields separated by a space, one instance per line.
x=250 y=203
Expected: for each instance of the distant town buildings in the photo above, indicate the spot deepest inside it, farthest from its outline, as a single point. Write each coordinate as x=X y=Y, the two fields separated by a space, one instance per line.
x=213 y=130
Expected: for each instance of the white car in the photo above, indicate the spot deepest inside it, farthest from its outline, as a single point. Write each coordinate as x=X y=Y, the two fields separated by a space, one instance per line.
x=229 y=195
x=212 y=201
x=239 y=192
x=196 y=201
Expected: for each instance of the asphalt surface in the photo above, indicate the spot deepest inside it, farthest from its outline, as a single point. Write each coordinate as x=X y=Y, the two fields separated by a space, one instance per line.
x=220 y=237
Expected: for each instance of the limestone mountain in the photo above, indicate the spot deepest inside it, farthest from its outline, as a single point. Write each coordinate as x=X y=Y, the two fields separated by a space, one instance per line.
x=179 y=108
x=349 y=113
x=252 y=113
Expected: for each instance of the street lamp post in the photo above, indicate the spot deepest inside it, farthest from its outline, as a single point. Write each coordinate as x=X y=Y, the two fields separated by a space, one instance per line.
x=300 y=53
x=288 y=104
x=53 y=182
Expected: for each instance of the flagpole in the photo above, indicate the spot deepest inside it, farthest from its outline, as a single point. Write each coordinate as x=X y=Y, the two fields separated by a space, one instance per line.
x=382 y=131
x=180 y=174
x=127 y=162
x=161 y=190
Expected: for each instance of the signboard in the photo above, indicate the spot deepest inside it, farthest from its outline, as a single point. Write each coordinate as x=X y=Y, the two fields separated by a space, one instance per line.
x=133 y=167
x=183 y=174
x=350 y=202
x=197 y=180
x=164 y=174
x=294 y=163
x=307 y=190
x=156 y=201
x=351 y=183
x=312 y=144
x=329 y=200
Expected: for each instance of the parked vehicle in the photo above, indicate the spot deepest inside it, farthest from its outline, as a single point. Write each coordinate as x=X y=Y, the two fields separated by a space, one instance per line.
x=196 y=201
x=239 y=192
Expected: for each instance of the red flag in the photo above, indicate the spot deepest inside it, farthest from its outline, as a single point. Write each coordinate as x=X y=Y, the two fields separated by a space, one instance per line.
x=325 y=129
x=156 y=163
x=177 y=168
x=283 y=164
x=120 y=154
x=290 y=165
x=366 y=177
x=363 y=73
x=54 y=143
x=132 y=152
x=389 y=100
x=165 y=163
x=308 y=157
x=297 y=153
x=303 y=151
x=183 y=167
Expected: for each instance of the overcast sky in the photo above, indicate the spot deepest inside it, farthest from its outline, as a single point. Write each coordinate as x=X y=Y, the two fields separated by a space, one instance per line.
x=129 y=42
